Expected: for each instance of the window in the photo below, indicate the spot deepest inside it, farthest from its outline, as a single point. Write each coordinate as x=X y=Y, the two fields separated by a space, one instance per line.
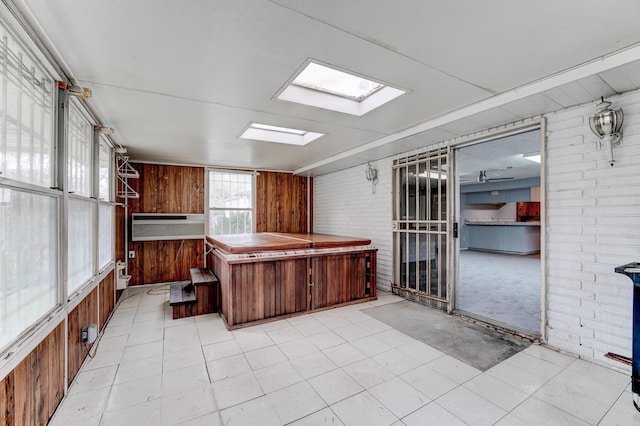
x=230 y=202
x=265 y=132
x=28 y=260
x=26 y=115
x=105 y=170
x=325 y=87
x=80 y=246
x=79 y=151
x=106 y=218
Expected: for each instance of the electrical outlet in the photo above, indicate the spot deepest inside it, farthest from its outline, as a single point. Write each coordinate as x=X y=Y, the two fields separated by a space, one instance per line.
x=132 y=254
x=84 y=334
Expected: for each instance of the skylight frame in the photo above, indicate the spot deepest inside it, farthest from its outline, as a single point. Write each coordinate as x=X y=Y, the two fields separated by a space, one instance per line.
x=329 y=101
x=277 y=134
x=315 y=76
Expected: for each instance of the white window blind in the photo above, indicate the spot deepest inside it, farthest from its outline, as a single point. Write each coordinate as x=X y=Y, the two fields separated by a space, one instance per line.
x=79 y=151
x=26 y=115
x=230 y=202
x=28 y=260
x=105 y=171
x=106 y=217
x=80 y=242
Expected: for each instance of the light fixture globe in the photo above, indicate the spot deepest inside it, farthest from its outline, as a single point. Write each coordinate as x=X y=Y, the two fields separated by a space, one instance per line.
x=606 y=124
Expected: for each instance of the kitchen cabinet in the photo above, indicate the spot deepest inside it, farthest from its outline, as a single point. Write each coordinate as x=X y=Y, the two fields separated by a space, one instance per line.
x=499 y=196
x=515 y=237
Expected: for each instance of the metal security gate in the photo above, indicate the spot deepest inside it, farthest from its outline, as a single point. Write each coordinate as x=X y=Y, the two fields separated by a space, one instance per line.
x=420 y=225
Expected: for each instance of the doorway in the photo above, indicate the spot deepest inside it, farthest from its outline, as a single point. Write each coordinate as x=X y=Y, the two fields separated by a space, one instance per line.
x=498 y=256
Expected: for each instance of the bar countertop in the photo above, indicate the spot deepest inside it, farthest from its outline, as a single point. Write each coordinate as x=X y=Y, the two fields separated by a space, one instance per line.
x=269 y=241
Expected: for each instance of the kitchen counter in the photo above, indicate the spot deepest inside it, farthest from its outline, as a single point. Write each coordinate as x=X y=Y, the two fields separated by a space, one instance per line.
x=504 y=236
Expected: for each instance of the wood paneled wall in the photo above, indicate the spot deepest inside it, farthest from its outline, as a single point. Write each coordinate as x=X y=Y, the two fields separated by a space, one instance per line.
x=165 y=189
x=83 y=315
x=283 y=202
x=31 y=392
x=107 y=298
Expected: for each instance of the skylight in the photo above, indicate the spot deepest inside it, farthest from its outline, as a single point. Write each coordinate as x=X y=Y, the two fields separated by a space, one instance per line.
x=268 y=133
x=325 y=87
x=329 y=80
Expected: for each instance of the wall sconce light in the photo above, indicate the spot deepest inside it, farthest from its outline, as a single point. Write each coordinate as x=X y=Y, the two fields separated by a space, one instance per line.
x=372 y=176
x=606 y=124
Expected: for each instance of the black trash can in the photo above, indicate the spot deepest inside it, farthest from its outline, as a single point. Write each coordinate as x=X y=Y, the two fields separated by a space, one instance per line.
x=632 y=270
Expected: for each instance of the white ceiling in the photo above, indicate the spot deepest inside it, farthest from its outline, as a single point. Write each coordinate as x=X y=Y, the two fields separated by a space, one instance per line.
x=180 y=80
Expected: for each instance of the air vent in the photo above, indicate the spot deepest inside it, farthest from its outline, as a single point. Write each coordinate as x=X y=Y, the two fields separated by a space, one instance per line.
x=159 y=226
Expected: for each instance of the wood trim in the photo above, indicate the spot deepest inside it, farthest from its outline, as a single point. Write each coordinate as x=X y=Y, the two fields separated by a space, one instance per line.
x=83 y=315
x=282 y=202
x=107 y=299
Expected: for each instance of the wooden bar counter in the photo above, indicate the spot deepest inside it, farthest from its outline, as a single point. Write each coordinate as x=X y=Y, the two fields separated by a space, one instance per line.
x=267 y=275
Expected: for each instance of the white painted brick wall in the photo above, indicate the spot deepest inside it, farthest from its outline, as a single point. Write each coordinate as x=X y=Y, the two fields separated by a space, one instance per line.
x=344 y=205
x=593 y=225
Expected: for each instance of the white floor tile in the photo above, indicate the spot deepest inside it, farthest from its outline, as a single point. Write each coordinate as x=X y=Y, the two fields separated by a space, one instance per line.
x=399 y=397
x=313 y=365
x=420 y=351
x=295 y=402
x=368 y=372
x=187 y=405
x=103 y=358
x=555 y=357
x=236 y=390
x=220 y=350
x=622 y=412
x=150 y=411
x=82 y=406
x=429 y=382
x=215 y=336
x=265 y=357
x=139 y=369
x=363 y=409
x=134 y=392
x=139 y=337
x=517 y=377
x=454 y=369
x=277 y=376
x=286 y=333
x=534 y=365
x=309 y=327
x=211 y=419
x=395 y=338
x=335 y=386
x=343 y=354
x=298 y=348
x=176 y=360
x=324 y=417
x=535 y=412
x=224 y=368
x=396 y=361
x=432 y=414
x=496 y=391
x=326 y=339
x=250 y=340
x=370 y=345
x=138 y=352
x=470 y=407
x=352 y=332
x=185 y=378
x=88 y=380
x=257 y=411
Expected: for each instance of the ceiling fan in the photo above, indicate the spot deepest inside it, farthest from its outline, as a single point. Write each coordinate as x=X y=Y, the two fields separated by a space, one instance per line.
x=481 y=177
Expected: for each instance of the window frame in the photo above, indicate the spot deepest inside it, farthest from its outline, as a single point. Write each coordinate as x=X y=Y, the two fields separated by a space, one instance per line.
x=210 y=208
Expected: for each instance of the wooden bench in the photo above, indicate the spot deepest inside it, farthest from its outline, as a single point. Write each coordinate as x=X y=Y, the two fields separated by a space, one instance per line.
x=204 y=297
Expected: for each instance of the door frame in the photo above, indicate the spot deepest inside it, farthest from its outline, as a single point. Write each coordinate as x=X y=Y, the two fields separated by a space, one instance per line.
x=539 y=124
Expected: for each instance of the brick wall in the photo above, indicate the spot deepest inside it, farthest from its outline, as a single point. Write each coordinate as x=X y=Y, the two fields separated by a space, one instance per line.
x=593 y=225
x=343 y=204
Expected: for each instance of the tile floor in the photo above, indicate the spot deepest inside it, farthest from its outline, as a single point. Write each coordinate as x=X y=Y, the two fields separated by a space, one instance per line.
x=329 y=368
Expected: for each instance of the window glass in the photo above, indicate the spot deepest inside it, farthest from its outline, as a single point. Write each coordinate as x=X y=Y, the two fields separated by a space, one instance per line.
x=230 y=202
x=26 y=115
x=106 y=216
x=28 y=260
x=80 y=137
x=105 y=171
x=81 y=215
